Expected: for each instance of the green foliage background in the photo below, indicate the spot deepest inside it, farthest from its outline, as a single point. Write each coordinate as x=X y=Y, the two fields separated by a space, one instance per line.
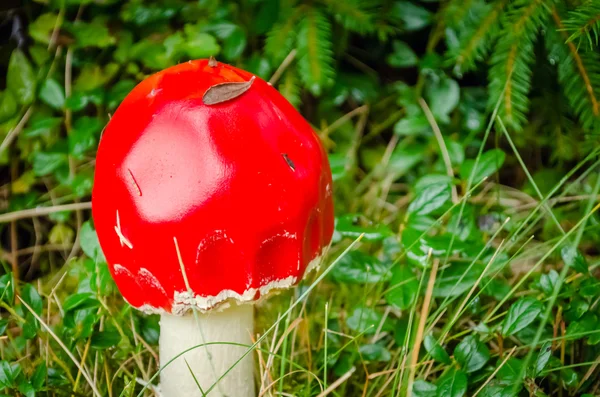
x=463 y=139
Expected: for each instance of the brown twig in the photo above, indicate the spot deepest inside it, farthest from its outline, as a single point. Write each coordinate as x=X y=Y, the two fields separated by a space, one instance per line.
x=284 y=65
x=10 y=137
x=42 y=211
x=421 y=327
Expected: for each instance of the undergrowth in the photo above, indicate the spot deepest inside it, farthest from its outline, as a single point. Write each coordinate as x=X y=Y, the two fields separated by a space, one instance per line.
x=463 y=140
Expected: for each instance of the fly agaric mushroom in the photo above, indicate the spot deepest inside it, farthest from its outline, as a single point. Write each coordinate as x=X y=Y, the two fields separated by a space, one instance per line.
x=210 y=192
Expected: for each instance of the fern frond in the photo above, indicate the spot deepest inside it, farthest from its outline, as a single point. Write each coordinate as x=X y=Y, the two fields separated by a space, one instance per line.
x=583 y=23
x=455 y=12
x=315 y=54
x=354 y=15
x=510 y=74
x=281 y=38
x=578 y=73
x=475 y=44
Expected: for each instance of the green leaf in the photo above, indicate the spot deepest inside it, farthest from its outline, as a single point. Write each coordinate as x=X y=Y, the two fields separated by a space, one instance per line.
x=585 y=327
x=496 y=288
x=339 y=165
x=52 y=94
x=26 y=389
x=422 y=388
x=510 y=372
x=442 y=97
x=471 y=354
x=456 y=152
x=31 y=296
x=412 y=16
x=315 y=53
x=549 y=281
x=489 y=162
x=79 y=301
x=42 y=126
x=573 y=258
x=354 y=225
x=81 y=323
x=83 y=136
x=402 y=291
x=118 y=92
x=522 y=313
x=453 y=383
x=364 y=319
x=105 y=339
x=375 y=352
x=576 y=308
x=7 y=288
x=354 y=87
x=413 y=125
x=358 y=267
x=39 y=376
x=20 y=78
x=569 y=377
x=430 y=199
x=45 y=163
x=129 y=389
x=405 y=158
x=93 y=76
x=8 y=374
x=431 y=179
x=437 y=352
x=8 y=106
x=500 y=389
x=402 y=55
x=542 y=359
x=3 y=326
x=89 y=242
x=92 y=34
x=235 y=44
x=260 y=66
x=199 y=44
x=41 y=29
x=79 y=100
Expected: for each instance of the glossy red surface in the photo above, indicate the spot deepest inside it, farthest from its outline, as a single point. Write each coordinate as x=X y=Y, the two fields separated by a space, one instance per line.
x=243 y=186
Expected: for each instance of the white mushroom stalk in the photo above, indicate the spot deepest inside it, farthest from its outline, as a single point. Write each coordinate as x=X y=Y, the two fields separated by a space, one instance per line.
x=224 y=336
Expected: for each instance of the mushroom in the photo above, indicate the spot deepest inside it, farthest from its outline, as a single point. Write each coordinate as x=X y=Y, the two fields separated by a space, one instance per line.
x=211 y=191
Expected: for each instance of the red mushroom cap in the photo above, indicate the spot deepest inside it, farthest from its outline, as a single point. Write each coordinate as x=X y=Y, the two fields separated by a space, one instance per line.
x=206 y=191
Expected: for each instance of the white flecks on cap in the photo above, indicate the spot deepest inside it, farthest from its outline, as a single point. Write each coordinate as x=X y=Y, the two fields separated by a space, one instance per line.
x=285 y=234
x=150 y=279
x=315 y=264
x=184 y=301
x=122 y=239
x=149 y=309
x=217 y=235
x=122 y=270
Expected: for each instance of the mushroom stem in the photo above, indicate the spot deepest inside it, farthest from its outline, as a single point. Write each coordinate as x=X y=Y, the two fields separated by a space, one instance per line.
x=209 y=362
